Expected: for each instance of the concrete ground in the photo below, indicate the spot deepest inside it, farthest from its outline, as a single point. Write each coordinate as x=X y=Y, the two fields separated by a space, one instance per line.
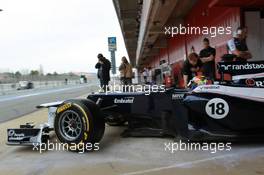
x=126 y=156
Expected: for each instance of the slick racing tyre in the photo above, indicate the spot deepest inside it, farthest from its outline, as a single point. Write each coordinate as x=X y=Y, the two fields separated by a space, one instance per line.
x=79 y=122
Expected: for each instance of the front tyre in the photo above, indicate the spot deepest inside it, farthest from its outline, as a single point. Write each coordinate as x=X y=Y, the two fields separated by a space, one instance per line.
x=79 y=122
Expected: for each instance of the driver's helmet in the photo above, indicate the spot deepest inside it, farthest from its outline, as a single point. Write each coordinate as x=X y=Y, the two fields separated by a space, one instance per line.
x=197 y=81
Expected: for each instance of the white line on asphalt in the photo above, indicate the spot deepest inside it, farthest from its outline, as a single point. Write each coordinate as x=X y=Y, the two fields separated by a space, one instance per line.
x=188 y=163
x=39 y=93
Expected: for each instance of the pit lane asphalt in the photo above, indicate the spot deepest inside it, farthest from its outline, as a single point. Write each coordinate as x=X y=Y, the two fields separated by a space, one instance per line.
x=125 y=156
x=24 y=102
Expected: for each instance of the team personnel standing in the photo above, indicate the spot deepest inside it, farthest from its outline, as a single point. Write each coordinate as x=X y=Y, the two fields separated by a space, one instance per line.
x=103 y=66
x=145 y=75
x=238 y=46
x=126 y=73
x=150 y=76
x=191 y=66
x=207 y=56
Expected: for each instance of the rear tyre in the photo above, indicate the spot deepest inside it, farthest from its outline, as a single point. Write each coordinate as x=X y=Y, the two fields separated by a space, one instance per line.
x=79 y=122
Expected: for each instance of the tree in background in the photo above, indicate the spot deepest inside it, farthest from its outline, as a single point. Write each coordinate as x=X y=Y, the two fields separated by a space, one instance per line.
x=18 y=75
x=34 y=73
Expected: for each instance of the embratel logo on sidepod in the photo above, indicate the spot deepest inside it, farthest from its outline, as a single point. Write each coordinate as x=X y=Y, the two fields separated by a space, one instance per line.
x=124 y=100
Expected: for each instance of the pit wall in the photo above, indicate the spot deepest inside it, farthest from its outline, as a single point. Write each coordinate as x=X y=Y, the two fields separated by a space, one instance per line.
x=201 y=15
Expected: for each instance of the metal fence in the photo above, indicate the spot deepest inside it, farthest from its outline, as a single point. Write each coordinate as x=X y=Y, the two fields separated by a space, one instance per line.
x=6 y=88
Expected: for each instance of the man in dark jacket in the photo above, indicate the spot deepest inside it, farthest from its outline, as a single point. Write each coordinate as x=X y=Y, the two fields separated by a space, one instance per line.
x=207 y=56
x=103 y=66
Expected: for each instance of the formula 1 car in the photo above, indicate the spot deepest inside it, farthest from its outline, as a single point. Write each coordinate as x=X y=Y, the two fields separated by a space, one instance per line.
x=226 y=111
x=22 y=85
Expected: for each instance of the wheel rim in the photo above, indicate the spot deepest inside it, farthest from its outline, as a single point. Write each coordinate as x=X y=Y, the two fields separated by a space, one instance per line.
x=70 y=125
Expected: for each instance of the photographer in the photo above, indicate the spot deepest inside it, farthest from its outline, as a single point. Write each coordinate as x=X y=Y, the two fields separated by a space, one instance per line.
x=103 y=66
x=126 y=73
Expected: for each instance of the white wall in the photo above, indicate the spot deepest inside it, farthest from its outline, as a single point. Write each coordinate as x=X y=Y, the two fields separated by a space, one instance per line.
x=255 y=40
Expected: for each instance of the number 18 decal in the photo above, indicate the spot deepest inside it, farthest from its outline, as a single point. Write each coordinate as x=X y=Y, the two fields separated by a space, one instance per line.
x=217 y=108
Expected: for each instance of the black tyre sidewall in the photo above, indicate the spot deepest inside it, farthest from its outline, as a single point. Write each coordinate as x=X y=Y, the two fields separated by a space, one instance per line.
x=93 y=125
x=57 y=127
